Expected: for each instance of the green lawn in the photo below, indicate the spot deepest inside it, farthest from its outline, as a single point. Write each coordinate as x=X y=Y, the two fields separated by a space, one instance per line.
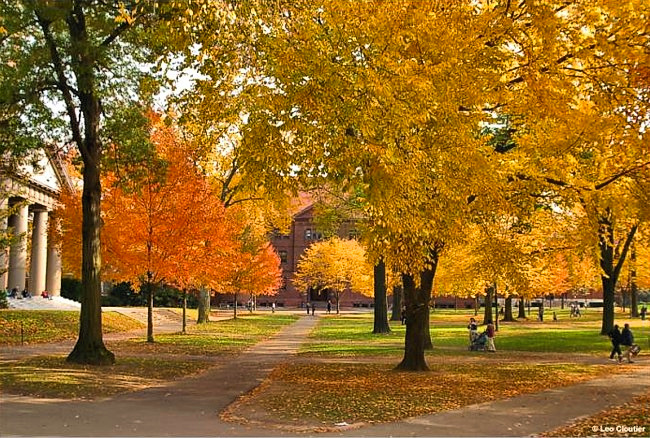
x=352 y=335
x=212 y=338
x=138 y=364
x=39 y=326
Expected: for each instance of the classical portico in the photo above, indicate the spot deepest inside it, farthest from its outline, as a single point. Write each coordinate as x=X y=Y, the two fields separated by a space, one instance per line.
x=31 y=194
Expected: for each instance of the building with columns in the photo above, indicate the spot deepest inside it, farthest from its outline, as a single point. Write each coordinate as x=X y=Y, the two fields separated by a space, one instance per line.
x=31 y=193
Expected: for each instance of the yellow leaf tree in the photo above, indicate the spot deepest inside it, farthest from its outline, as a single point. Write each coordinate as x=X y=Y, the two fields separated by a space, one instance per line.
x=335 y=264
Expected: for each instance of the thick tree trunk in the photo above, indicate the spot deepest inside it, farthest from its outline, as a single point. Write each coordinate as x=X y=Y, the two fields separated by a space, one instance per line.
x=416 y=311
x=381 y=307
x=428 y=343
x=90 y=348
x=610 y=267
x=487 y=314
x=634 y=302
x=204 y=306
x=396 y=314
x=522 y=309
x=417 y=317
x=508 y=310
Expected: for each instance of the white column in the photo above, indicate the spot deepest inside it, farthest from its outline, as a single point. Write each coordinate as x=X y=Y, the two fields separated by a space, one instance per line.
x=18 y=251
x=53 y=277
x=39 y=253
x=4 y=252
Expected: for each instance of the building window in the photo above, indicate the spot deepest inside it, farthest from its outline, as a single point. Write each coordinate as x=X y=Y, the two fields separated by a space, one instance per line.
x=308 y=234
x=283 y=256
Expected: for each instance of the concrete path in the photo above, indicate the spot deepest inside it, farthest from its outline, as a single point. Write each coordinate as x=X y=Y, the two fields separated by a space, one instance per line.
x=190 y=407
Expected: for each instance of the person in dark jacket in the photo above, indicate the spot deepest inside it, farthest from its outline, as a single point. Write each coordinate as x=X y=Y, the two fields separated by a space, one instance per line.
x=615 y=336
x=627 y=340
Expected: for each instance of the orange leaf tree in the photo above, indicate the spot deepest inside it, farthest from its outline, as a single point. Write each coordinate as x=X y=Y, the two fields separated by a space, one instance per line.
x=166 y=225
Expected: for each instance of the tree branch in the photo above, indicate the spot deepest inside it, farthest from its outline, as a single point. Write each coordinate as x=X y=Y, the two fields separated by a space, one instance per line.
x=62 y=82
x=626 y=247
x=621 y=174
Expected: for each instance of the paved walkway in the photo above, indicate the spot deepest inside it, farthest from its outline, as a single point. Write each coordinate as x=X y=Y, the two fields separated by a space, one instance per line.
x=190 y=407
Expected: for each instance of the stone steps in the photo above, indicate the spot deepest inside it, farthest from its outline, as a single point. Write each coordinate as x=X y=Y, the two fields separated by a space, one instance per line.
x=40 y=303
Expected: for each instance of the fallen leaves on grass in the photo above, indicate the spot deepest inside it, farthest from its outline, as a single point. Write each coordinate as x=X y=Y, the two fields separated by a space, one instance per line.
x=53 y=377
x=325 y=394
x=629 y=420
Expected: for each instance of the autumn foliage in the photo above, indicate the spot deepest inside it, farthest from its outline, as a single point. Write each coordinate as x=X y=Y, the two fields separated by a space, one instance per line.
x=335 y=264
x=169 y=226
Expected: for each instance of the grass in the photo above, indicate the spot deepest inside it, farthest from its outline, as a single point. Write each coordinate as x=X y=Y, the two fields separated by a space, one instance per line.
x=42 y=326
x=139 y=364
x=325 y=394
x=212 y=338
x=352 y=335
x=53 y=377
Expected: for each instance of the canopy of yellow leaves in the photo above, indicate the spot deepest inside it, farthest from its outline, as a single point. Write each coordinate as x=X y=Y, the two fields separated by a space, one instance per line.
x=336 y=264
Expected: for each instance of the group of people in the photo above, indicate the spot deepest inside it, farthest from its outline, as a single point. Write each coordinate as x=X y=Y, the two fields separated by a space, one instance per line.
x=626 y=339
x=474 y=336
x=14 y=293
x=575 y=310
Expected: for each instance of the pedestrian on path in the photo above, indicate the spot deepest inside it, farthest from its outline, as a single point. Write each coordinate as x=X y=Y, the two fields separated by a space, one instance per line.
x=329 y=306
x=615 y=337
x=627 y=340
x=313 y=308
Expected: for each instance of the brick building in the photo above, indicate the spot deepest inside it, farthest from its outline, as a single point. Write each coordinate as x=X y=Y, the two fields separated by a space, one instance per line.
x=290 y=247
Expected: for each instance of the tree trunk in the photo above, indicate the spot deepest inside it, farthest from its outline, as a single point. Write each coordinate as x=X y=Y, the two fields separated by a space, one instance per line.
x=381 y=306
x=487 y=314
x=522 y=309
x=150 y=312
x=508 y=310
x=234 y=310
x=338 y=302
x=417 y=317
x=634 y=302
x=184 y=330
x=90 y=348
x=610 y=268
x=416 y=311
x=396 y=314
x=496 y=308
x=204 y=305
x=428 y=344
x=476 y=305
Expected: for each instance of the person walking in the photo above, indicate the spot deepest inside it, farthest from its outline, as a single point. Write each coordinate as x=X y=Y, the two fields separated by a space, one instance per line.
x=313 y=308
x=329 y=306
x=490 y=332
x=627 y=340
x=615 y=337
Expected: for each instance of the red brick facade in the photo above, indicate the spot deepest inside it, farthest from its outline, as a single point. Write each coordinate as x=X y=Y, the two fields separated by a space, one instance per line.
x=290 y=248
